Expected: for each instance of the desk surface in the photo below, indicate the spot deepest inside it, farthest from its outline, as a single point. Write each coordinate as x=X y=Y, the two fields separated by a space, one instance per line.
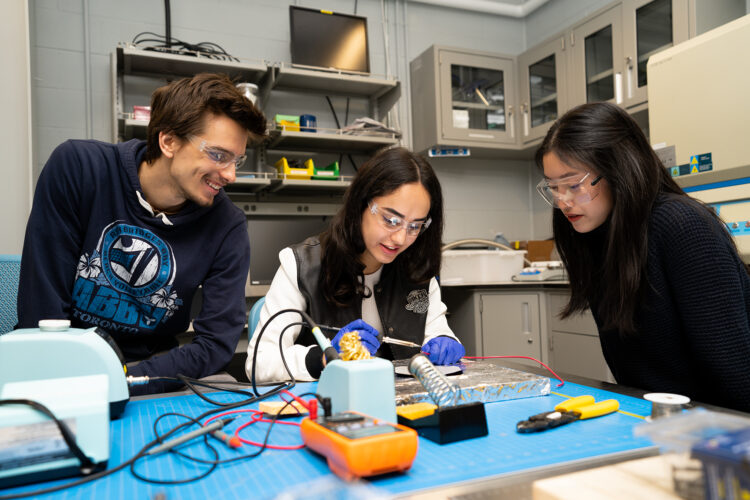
x=503 y=452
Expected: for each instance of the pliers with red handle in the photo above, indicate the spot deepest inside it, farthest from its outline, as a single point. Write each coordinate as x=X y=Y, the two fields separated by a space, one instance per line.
x=579 y=408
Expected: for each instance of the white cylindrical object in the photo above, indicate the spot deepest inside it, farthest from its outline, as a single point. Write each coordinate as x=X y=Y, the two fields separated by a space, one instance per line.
x=249 y=90
x=664 y=404
x=54 y=325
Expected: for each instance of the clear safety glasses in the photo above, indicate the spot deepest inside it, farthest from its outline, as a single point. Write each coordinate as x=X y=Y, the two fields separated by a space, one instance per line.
x=569 y=191
x=220 y=156
x=393 y=223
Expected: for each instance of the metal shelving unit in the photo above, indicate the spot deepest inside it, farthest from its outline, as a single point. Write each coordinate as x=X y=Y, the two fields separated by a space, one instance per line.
x=331 y=141
x=270 y=182
x=140 y=71
x=382 y=94
x=333 y=82
x=135 y=61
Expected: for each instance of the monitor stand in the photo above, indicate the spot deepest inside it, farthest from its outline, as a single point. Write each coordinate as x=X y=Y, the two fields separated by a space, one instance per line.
x=330 y=70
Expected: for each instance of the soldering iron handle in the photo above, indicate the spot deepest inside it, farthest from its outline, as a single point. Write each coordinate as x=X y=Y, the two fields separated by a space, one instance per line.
x=330 y=354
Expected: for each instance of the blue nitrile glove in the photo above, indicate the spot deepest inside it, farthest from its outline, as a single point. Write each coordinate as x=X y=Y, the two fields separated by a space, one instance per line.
x=367 y=334
x=444 y=350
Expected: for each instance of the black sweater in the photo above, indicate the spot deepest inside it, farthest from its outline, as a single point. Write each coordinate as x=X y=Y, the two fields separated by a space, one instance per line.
x=693 y=325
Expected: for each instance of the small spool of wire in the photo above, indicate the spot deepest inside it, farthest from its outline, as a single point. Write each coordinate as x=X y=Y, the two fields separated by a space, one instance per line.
x=441 y=390
x=664 y=404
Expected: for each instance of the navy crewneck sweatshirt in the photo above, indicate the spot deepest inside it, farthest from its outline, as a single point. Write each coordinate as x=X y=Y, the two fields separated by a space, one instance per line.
x=93 y=253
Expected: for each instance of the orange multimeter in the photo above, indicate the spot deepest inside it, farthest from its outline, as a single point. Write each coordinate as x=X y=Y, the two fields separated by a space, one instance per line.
x=356 y=445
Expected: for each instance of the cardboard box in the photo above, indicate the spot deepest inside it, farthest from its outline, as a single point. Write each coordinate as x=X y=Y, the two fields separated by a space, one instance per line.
x=536 y=250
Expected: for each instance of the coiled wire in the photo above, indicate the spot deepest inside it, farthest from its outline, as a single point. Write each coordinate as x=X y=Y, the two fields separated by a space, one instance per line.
x=441 y=390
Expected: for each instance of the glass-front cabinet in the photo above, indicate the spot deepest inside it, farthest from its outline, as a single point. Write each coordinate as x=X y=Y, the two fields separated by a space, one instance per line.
x=596 y=49
x=463 y=98
x=649 y=26
x=476 y=92
x=542 y=88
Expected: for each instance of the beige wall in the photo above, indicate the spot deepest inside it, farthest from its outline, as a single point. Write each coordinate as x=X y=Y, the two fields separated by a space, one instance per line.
x=15 y=127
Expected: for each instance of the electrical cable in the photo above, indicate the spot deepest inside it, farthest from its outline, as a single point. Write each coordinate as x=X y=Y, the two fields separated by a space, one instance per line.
x=214 y=463
x=176 y=451
x=346 y=115
x=562 y=382
x=87 y=466
x=255 y=396
x=191 y=383
x=168 y=24
x=79 y=482
x=169 y=44
x=338 y=126
x=304 y=315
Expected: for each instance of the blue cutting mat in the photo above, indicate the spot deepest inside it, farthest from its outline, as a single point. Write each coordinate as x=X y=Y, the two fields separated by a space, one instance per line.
x=503 y=451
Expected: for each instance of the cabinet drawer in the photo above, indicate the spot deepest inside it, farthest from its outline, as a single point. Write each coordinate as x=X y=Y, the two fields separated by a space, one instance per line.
x=583 y=324
x=510 y=325
x=578 y=355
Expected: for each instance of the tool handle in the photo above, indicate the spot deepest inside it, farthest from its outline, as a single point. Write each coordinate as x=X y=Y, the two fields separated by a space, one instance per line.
x=585 y=407
x=573 y=403
x=168 y=445
x=389 y=340
x=597 y=410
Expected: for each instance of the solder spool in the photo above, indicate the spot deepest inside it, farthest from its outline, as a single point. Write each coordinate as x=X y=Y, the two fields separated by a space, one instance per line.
x=441 y=390
x=664 y=404
x=352 y=348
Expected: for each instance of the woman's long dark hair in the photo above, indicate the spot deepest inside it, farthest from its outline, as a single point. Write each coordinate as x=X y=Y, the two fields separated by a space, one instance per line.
x=342 y=242
x=610 y=262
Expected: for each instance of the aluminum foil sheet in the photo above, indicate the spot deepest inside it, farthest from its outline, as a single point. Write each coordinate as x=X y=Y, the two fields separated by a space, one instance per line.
x=480 y=381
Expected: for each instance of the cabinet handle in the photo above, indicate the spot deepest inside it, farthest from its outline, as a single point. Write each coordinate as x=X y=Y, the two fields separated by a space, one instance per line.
x=618 y=88
x=629 y=70
x=511 y=123
x=525 y=318
x=526 y=124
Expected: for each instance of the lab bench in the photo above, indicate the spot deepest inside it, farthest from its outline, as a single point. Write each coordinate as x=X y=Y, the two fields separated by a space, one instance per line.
x=500 y=464
x=521 y=319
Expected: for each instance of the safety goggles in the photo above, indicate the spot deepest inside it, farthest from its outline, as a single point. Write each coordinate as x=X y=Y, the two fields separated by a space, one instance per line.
x=221 y=157
x=569 y=191
x=393 y=223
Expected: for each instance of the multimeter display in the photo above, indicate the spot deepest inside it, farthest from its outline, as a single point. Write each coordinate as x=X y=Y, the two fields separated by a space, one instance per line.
x=363 y=427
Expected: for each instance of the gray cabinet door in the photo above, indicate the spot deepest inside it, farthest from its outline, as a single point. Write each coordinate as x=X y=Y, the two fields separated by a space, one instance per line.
x=542 y=79
x=476 y=93
x=649 y=26
x=596 y=48
x=510 y=325
x=577 y=354
x=574 y=346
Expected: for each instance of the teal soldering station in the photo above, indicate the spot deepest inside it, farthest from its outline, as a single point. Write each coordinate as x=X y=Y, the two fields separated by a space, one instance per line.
x=79 y=376
x=406 y=250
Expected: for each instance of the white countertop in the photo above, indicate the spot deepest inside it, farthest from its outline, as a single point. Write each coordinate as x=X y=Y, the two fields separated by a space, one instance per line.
x=453 y=283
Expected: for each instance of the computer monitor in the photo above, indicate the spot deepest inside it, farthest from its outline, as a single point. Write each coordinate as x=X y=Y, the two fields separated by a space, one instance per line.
x=325 y=39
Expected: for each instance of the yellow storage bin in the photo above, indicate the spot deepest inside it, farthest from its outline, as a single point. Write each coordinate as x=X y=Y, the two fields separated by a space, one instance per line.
x=295 y=170
x=287 y=122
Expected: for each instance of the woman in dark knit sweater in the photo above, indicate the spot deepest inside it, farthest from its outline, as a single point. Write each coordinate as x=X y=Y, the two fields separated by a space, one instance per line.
x=658 y=269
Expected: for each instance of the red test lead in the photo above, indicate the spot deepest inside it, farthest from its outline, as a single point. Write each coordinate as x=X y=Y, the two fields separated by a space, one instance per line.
x=231 y=441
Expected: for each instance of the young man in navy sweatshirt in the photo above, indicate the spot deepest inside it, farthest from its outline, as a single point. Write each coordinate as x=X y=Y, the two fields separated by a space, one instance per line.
x=120 y=236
